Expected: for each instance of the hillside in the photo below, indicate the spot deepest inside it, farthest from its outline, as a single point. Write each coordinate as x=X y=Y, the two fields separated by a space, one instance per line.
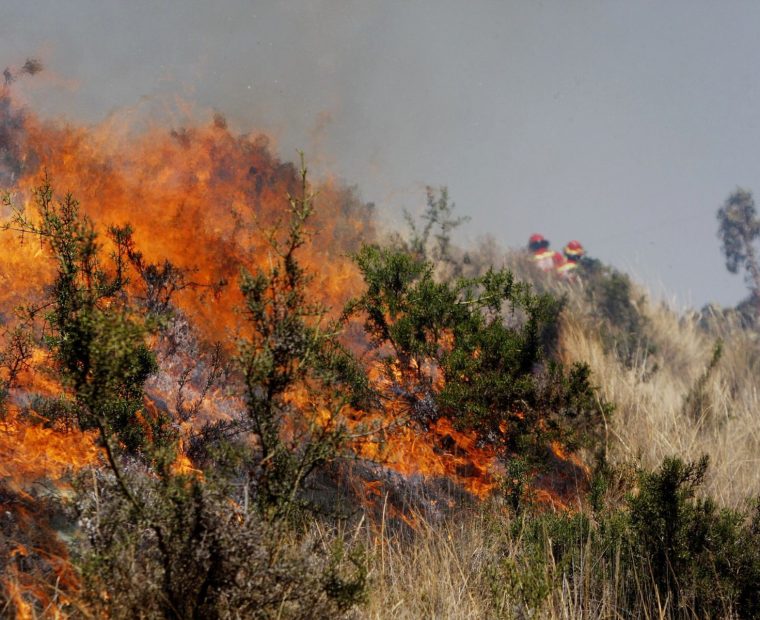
x=228 y=394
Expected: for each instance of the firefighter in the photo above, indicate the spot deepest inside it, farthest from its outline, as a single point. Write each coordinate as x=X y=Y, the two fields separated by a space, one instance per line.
x=543 y=257
x=573 y=253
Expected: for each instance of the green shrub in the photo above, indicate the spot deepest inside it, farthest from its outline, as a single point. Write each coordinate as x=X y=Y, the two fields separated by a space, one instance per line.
x=663 y=543
x=705 y=559
x=625 y=328
x=487 y=337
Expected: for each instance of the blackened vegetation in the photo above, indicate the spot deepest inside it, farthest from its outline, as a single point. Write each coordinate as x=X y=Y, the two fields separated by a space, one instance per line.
x=12 y=160
x=15 y=159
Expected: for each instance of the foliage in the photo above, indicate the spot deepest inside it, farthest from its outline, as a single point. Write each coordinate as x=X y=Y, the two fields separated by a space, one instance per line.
x=662 y=543
x=738 y=230
x=297 y=375
x=700 y=555
x=472 y=350
x=96 y=340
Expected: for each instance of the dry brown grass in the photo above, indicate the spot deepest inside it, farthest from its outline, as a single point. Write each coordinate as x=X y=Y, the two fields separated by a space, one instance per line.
x=481 y=567
x=652 y=420
x=443 y=572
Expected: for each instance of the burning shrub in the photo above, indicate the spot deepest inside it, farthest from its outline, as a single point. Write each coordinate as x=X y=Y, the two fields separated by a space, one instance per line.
x=473 y=351
x=160 y=543
x=96 y=340
x=294 y=370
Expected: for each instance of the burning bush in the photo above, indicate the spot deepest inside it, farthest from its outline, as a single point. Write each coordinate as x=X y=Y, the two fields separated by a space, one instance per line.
x=199 y=513
x=473 y=351
x=160 y=542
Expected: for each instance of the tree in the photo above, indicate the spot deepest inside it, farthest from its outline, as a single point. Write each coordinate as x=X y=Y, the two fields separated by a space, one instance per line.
x=739 y=229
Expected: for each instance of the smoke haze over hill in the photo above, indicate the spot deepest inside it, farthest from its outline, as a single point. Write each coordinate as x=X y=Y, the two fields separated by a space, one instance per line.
x=624 y=125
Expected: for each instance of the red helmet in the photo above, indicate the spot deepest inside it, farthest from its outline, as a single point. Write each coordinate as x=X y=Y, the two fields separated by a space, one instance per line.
x=536 y=238
x=537 y=242
x=574 y=250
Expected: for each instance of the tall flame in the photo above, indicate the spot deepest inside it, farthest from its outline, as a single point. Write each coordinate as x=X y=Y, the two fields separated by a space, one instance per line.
x=206 y=200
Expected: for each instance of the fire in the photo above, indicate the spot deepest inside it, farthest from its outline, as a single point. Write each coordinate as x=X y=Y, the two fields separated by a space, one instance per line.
x=202 y=198
x=33 y=451
x=36 y=461
x=439 y=452
x=207 y=201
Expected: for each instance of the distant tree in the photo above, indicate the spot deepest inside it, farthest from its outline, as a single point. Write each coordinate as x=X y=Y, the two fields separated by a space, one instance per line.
x=739 y=230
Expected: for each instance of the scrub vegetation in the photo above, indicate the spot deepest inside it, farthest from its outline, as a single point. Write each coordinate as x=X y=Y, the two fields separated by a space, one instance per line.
x=652 y=411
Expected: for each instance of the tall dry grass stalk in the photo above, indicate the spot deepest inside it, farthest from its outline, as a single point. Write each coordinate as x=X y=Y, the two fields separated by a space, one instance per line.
x=481 y=566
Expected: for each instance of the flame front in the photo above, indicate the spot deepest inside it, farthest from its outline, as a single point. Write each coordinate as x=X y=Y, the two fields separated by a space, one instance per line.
x=205 y=200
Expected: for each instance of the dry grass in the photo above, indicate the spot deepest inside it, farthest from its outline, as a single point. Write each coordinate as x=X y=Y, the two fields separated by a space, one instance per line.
x=446 y=570
x=433 y=576
x=652 y=419
x=481 y=567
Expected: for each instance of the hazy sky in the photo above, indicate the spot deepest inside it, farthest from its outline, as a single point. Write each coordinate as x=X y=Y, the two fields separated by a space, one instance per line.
x=623 y=124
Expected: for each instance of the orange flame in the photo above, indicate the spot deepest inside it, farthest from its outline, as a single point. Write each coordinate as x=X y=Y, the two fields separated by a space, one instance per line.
x=31 y=452
x=207 y=200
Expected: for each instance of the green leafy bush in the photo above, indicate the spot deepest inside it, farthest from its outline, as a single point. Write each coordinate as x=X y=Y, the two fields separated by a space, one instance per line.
x=705 y=558
x=662 y=543
x=487 y=339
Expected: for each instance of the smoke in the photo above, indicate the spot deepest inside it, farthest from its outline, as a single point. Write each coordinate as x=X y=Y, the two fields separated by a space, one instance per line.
x=14 y=157
x=32 y=66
